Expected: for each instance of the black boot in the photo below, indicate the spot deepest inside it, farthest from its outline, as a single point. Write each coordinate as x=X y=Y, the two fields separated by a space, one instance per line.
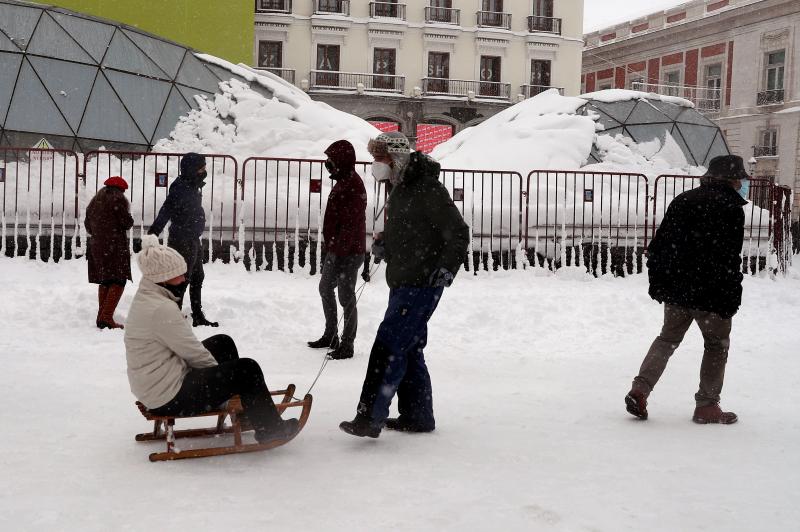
x=344 y=351
x=327 y=341
x=199 y=320
x=360 y=426
x=286 y=429
x=402 y=425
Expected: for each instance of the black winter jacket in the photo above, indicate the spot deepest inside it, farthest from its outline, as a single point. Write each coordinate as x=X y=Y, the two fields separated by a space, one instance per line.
x=694 y=260
x=184 y=209
x=424 y=230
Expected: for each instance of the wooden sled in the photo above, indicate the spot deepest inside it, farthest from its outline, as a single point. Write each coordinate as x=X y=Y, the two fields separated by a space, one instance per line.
x=164 y=428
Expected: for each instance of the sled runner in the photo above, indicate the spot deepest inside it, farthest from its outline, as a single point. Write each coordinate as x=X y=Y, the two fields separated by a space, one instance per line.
x=163 y=428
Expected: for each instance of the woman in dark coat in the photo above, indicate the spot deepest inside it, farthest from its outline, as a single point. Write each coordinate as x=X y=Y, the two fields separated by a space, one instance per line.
x=108 y=219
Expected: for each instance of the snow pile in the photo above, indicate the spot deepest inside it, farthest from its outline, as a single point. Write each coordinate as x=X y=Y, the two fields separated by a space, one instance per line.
x=544 y=133
x=241 y=122
x=538 y=133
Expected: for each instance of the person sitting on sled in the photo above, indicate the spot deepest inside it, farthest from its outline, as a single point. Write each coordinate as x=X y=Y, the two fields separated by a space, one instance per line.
x=171 y=372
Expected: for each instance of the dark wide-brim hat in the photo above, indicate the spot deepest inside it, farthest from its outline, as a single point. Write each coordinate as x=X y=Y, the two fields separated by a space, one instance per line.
x=727 y=167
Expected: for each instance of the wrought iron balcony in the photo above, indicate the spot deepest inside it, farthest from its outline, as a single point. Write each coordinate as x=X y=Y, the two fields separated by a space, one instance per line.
x=273 y=6
x=771 y=97
x=285 y=73
x=443 y=14
x=544 y=24
x=387 y=10
x=765 y=151
x=332 y=7
x=707 y=100
x=494 y=19
x=462 y=88
x=529 y=91
x=335 y=80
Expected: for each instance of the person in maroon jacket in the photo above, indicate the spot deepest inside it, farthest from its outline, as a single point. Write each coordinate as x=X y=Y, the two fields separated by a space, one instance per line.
x=344 y=232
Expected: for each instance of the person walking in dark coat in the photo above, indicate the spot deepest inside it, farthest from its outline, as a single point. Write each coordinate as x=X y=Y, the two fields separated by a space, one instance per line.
x=108 y=219
x=344 y=232
x=183 y=208
x=695 y=269
x=424 y=244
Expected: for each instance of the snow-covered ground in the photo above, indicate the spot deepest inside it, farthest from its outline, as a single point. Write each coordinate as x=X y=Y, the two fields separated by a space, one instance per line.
x=529 y=371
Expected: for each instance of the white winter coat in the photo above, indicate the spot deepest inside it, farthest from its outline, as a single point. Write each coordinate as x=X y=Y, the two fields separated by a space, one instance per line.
x=160 y=346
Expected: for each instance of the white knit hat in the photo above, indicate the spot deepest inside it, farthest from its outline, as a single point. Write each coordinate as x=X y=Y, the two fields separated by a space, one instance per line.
x=159 y=263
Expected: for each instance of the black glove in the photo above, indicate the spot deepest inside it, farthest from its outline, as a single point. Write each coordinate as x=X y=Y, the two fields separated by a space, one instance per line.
x=378 y=250
x=441 y=278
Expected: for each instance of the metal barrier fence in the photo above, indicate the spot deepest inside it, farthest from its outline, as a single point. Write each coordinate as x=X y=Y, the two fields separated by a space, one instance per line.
x=40 y=192
x=269 y=212
x=149 y=176
x=598 y=219
x=758 y=249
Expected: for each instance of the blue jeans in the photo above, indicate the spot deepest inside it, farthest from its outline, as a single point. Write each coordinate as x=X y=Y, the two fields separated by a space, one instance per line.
x=396 y=362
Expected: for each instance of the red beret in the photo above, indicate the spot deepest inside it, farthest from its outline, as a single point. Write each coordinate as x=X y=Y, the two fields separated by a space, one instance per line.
x=116 y=181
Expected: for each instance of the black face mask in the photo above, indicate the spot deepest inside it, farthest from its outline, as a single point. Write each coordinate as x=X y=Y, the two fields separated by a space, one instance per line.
x=330 y=167
x=201 y=178
x=176 y=290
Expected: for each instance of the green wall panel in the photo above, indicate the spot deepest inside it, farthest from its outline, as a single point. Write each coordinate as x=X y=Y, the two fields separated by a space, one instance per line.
x=224 y=28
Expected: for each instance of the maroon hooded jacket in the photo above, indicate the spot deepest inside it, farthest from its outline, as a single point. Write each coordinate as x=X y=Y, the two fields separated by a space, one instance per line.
x=345 y=226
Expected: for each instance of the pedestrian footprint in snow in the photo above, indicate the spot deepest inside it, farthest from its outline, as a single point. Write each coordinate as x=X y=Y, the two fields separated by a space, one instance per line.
x=171 y=372
x=424 y=244
x=108 y=219
x=344 y=244
x=695 y=269
x=183 y=209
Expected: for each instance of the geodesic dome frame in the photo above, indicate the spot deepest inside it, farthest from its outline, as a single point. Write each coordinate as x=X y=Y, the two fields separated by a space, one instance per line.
x=82 y=82
x=645 y=119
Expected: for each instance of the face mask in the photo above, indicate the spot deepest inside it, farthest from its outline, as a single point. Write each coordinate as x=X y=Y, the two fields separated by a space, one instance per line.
x=201 y=178
x=744 y=191
x=176 y=290
x=330 y=167
x=381 y=172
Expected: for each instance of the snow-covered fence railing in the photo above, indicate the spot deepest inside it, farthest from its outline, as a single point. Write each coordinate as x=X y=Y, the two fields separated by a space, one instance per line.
x=597 y=220
x=491 y=203
x=40 y=192
x=149 y=176
x=759 y=250
x=782 y=215
x=284 y=204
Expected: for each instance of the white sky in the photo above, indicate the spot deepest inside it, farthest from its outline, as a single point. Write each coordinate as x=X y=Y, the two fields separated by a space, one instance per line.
x=602 y=13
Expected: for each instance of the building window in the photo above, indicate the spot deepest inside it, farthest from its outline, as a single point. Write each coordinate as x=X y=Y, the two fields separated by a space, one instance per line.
x=442 y=11
x=672 y=80
x=712 y=97
x=542 y=8
x=274 y=5
x=328 y=60
x=270 y=54
x=768 y=143
x=386 y=8
x=490 y=72
x=438 y=71
x=492 y=13
x=540 y=73
x=773 y=78
x=637 y=82
x=383 y=62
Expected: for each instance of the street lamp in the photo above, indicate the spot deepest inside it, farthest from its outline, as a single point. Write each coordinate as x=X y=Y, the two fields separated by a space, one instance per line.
x=752 y=162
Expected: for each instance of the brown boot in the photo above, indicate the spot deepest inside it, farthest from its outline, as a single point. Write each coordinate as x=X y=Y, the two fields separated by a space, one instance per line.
x=713 y=414
x=106 y=318
x=102 y=294
x=636 y=403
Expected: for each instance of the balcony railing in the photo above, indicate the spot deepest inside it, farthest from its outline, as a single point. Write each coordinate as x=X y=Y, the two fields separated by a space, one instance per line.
x=493 y=19
x=771 y=97
x=285 y=73
x=273 y=6
x=529 y=91
x=544 y=24
x=327 y=79
x=387 y=10
x=705 y=99
x=332 y=7
x=443 y=14
x=463 y=88
x=765 y=151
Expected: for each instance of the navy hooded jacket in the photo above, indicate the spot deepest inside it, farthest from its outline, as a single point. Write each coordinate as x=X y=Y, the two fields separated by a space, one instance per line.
x=183 y=207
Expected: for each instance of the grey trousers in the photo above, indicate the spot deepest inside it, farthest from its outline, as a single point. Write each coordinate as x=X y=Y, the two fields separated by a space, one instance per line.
x=340 y=273
x=716 y=335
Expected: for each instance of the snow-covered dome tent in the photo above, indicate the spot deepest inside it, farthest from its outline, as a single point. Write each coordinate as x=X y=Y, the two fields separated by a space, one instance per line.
x=644 y=118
